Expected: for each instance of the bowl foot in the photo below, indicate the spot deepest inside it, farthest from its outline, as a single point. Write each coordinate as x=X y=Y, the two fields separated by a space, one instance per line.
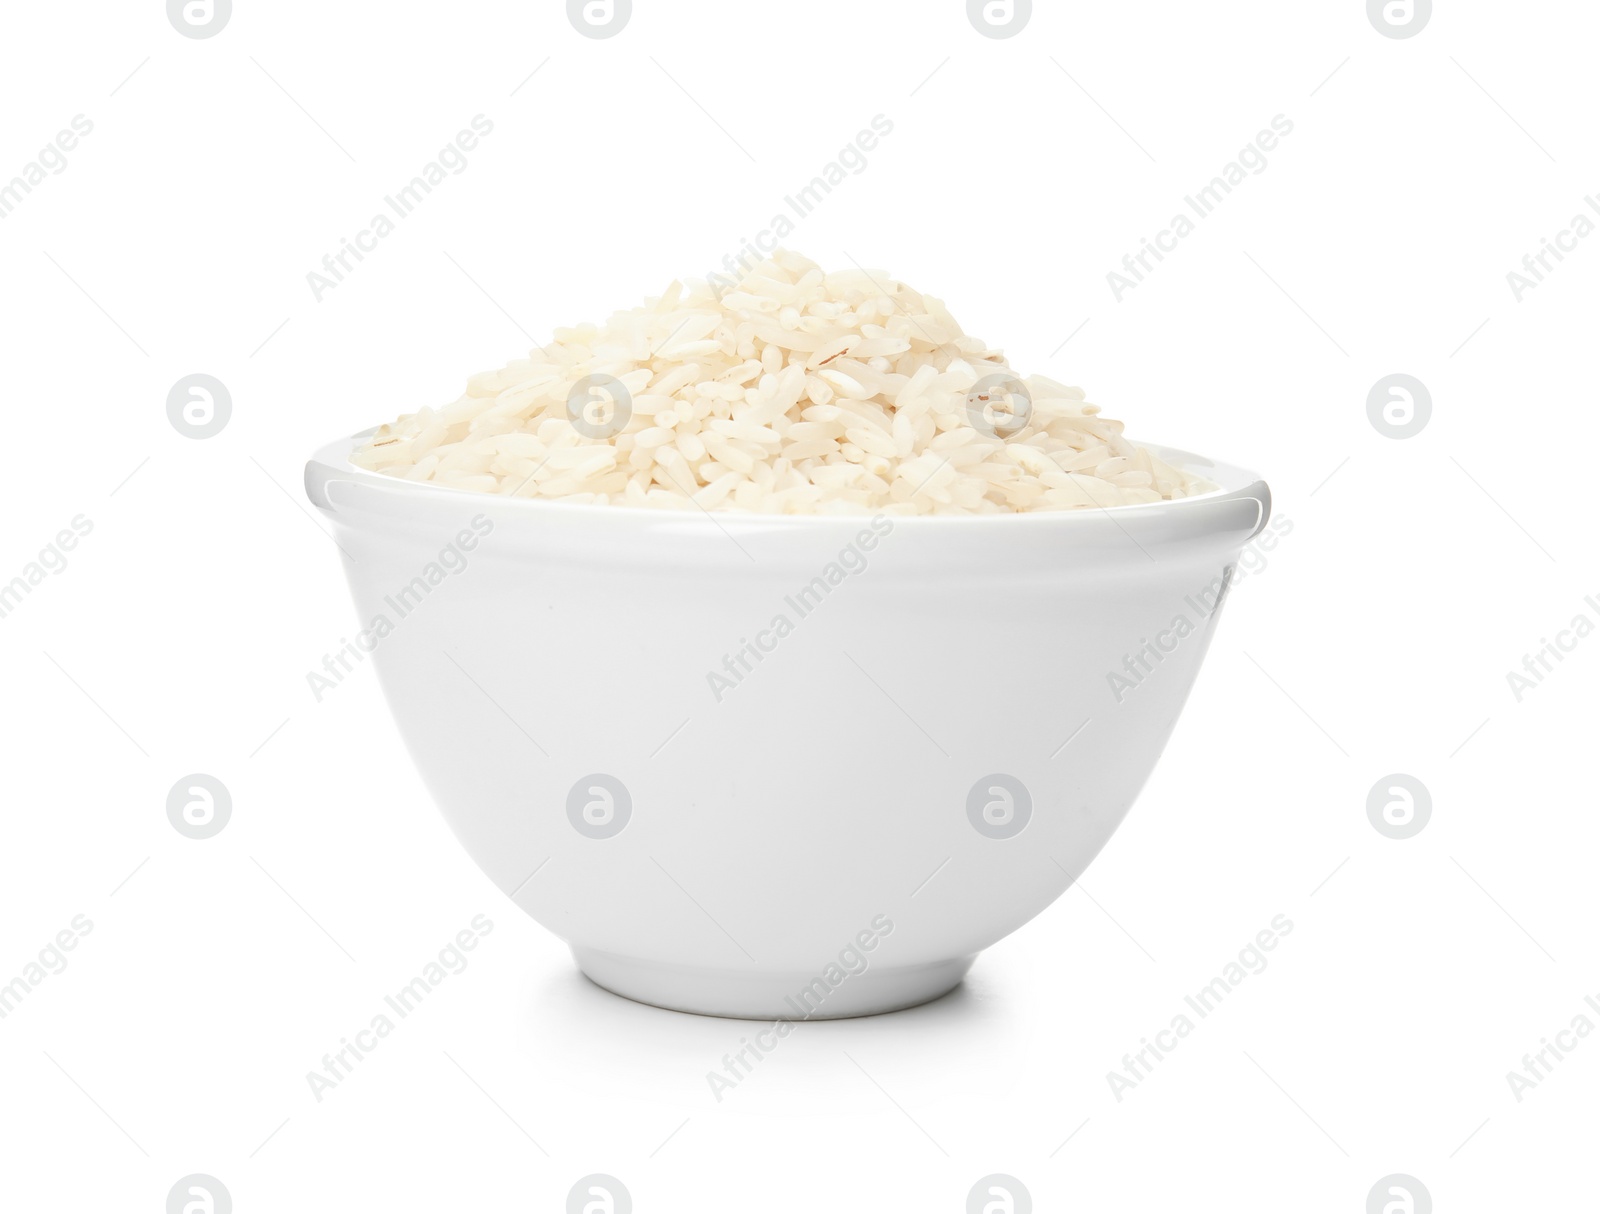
x=772 y=995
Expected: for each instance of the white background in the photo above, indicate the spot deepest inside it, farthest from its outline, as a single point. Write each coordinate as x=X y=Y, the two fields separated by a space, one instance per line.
x=1020 y=170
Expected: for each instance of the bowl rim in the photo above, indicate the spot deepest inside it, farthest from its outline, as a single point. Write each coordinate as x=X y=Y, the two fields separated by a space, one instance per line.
x=331 y=462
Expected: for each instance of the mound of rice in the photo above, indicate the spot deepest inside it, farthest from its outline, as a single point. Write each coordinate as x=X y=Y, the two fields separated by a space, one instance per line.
x=794 y=392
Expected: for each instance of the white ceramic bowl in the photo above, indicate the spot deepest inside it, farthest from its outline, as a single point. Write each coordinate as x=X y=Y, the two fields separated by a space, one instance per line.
x=838 y=830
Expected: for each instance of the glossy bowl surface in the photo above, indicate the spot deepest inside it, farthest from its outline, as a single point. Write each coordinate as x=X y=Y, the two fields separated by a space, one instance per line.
x=781 y=766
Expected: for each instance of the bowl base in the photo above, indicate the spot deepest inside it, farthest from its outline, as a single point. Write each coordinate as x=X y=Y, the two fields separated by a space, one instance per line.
x=771 y=995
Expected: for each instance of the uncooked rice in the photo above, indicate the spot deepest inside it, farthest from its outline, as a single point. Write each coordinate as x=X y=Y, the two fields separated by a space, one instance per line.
x=795 y=392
